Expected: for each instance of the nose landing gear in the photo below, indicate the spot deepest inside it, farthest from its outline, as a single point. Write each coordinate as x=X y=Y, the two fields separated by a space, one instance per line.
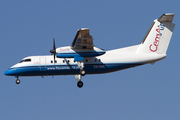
x=17 y=80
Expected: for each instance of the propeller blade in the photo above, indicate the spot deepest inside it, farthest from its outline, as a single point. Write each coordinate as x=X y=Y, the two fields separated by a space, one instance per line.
x=54 y=58
x=54 y=46
x=53 y=51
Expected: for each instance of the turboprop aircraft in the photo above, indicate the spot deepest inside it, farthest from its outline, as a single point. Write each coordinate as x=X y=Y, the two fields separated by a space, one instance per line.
x=82 y=57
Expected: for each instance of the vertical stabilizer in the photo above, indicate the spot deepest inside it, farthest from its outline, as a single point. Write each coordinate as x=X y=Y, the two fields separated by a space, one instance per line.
x=158 y=36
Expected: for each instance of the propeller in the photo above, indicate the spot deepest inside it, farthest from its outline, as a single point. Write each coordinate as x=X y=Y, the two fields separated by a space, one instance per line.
x=53 y=51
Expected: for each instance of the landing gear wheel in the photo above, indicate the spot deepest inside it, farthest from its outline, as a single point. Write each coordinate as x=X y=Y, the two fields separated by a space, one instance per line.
x=17 y=81
x=82 y=72
x=80 y=84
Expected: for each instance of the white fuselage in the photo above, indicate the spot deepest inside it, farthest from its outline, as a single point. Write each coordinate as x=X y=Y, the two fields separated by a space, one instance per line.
x=112 y=60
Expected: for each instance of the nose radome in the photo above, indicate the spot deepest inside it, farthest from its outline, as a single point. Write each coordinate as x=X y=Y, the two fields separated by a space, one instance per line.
x=6 y=72
x=9 y=73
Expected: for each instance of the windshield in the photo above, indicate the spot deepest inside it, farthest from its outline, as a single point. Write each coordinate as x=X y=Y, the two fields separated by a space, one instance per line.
x=25 y=60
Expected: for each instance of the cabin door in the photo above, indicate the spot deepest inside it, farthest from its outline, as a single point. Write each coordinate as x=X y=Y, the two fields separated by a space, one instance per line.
x=42 y=63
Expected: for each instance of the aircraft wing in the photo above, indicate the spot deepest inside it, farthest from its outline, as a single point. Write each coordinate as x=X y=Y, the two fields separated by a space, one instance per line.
x=83 y=40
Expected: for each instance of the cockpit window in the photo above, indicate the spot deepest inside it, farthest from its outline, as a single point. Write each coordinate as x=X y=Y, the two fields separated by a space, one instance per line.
x=21 y=61
x=25 y=60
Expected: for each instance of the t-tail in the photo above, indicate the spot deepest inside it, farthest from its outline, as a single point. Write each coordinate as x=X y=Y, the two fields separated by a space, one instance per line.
x=156 y=40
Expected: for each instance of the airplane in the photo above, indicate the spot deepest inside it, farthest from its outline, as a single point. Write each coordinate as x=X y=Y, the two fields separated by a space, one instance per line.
x=82 y=57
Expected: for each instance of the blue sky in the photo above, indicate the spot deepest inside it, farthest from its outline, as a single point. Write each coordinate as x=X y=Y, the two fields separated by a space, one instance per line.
x=149 y=92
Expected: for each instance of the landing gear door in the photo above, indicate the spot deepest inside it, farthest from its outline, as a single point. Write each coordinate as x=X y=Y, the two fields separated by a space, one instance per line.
x=42 y=63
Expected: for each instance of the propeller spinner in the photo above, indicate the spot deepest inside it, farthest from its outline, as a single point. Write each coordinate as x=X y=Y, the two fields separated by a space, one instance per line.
x=53 y=51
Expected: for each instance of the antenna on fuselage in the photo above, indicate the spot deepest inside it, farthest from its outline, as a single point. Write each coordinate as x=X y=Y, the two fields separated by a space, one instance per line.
x=53 y=51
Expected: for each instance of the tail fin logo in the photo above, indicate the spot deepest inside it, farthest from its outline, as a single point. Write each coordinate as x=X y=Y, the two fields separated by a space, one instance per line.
x=153 y=47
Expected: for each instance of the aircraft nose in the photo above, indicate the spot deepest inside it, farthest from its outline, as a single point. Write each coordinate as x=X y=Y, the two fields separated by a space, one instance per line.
x=9 y=72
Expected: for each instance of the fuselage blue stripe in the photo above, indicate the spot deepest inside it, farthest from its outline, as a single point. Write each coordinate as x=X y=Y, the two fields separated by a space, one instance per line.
x=67 y=69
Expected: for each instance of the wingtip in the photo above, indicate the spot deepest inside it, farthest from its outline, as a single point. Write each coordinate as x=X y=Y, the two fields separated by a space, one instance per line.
x=83 y=29
x=169 y=14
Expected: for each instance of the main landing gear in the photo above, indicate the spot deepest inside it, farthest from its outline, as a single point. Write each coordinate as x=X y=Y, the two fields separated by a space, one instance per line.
x=82 y=73
x=17 y=80
x=81 y=66
x=79 y=83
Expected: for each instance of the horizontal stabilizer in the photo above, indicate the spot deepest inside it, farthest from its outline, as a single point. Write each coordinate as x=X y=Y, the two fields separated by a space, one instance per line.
x=166 y=18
